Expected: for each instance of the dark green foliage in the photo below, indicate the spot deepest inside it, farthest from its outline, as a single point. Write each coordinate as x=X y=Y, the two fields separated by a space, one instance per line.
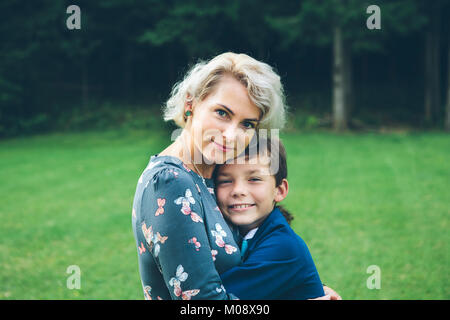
x=131 y=52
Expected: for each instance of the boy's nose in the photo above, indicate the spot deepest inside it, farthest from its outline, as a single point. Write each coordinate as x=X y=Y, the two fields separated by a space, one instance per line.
x=238 y=190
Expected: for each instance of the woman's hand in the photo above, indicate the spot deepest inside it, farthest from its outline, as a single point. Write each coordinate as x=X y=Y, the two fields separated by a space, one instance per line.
x=330 y=294
x=326 y=297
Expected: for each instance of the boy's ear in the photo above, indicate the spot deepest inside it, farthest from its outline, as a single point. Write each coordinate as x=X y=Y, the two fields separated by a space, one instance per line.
x=282 y=191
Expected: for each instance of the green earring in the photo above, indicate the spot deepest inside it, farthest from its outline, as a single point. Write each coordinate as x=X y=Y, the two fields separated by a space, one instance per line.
x=188 y=113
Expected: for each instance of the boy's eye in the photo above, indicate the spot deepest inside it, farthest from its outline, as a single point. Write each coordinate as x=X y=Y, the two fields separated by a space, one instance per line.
x=223 y=182
x=254 y=179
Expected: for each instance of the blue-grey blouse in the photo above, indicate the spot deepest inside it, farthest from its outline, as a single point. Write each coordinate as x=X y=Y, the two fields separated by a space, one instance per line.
x=183 y=241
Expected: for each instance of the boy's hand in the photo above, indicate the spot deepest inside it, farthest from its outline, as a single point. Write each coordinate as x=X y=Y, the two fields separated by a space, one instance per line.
x=330 y=292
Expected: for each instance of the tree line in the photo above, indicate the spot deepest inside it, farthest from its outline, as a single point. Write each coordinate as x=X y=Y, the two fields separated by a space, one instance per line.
x=127 y=49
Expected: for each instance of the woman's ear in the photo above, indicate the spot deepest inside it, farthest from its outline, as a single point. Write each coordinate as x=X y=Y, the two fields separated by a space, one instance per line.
x=282 y=190
x=188 y=103
x=188 y=109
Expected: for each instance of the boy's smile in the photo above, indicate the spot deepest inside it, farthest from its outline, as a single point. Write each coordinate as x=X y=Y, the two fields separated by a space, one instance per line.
x=240 y=207
x=247 y=193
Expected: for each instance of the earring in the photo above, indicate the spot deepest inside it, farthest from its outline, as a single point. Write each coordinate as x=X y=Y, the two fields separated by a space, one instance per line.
x=188 y=113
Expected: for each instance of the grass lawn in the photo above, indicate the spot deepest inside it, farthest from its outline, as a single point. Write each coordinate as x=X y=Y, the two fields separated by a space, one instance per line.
x=358 y=200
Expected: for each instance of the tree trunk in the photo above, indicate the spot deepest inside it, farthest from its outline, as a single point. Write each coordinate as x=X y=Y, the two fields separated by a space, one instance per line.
x=84 y=84
x=437 y=65
x=348 y=81
x=171 y=67
x=447 y=118
x=339 y=91
x=432 y=71
x=429 y=101
x=127 y=72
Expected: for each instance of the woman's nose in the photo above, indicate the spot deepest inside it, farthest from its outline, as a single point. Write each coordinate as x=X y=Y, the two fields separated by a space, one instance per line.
x=230 y=133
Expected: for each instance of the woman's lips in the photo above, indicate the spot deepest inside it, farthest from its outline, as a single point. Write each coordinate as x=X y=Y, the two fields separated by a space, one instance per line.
x=221 y=147
x=240 y=207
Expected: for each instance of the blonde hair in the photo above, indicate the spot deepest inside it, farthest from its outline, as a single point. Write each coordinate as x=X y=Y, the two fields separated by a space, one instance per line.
x=263 y=86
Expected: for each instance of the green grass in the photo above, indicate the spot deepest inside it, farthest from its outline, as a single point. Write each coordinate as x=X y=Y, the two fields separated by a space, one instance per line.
x=358 y=200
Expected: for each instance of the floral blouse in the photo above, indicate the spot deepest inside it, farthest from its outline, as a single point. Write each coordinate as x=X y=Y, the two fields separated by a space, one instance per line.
x=182 y=239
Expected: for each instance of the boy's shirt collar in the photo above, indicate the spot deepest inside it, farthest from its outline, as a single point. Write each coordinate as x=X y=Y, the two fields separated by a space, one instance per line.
x=250 y=234
x=274 y=217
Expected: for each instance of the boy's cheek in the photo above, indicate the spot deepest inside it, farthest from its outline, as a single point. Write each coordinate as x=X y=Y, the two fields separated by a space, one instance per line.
x=221 y=197
x=222 y=208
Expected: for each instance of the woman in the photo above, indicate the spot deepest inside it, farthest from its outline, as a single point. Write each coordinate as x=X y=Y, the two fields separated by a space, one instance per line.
x=183 y=241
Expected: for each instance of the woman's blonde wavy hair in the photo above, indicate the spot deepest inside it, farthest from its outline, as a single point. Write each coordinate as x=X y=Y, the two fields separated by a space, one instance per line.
x=263 y=86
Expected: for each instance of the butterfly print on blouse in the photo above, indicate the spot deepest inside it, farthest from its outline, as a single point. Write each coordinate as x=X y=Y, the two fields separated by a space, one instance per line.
x=175 y=173
x=147 y=293
x=219 y=234
x=161 y=203
x=186 y=295
x=153 y=239
x=195 y=242
x=220 y=289
x=176 y=281
x=214 y=254
x=186 y=202
x=141 y=248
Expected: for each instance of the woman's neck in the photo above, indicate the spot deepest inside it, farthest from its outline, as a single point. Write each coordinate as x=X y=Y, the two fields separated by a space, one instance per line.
x=183 y=149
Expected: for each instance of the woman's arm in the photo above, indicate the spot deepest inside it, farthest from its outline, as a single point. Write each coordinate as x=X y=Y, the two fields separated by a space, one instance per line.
x=173 y=222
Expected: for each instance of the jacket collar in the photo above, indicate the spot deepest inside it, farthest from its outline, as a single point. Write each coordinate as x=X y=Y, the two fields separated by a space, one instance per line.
x=274 y=218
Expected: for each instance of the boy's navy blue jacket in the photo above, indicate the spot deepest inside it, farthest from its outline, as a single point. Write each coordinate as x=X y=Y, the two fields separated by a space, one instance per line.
x=277 y=265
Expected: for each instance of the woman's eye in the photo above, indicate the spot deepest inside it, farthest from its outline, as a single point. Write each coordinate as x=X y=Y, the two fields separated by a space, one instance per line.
x=221 y=113
x=248 y=125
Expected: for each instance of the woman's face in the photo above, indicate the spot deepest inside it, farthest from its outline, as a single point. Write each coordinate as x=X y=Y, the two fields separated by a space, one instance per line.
x=224 y=122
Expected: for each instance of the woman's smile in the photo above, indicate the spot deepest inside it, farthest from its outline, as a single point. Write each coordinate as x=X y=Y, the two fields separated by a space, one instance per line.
x=222 y=147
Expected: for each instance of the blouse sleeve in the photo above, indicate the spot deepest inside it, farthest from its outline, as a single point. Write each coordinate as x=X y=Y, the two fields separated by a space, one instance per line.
x=172 y=221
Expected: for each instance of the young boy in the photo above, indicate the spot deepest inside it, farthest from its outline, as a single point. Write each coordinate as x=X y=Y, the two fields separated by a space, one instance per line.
x=276 y=263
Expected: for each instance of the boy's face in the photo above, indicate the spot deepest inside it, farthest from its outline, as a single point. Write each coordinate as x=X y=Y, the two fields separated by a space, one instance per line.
x=247 y=193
